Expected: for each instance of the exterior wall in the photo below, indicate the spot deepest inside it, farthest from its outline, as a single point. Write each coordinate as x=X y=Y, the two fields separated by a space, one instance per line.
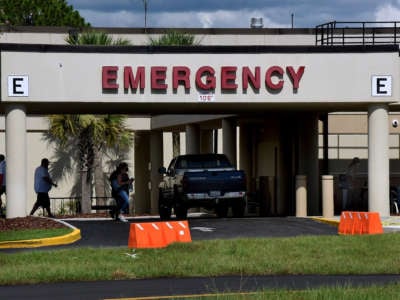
x=209 y=37
x=348 y=132
x=348 y=138
x=74 y=77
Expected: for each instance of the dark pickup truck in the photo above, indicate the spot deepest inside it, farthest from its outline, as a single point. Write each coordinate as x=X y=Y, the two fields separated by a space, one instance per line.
x=201 y=180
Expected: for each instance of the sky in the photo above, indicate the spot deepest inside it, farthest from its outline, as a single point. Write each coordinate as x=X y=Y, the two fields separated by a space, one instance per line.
x=232 y=13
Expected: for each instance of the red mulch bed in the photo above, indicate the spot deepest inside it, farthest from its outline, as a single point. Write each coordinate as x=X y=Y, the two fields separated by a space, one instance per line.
x=42 y=223
x=28 y=223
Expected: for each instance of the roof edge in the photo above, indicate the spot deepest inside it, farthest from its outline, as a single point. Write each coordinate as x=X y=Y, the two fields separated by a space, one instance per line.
x=197 y=49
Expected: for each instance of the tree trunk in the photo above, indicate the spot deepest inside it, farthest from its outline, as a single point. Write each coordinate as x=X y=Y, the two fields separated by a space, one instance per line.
x=86 y=203
x=99 y=179
x=176 y=143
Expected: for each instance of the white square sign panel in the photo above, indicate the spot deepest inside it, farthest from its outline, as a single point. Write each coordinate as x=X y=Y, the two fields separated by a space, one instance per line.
x=18 y=86
x=381 y=86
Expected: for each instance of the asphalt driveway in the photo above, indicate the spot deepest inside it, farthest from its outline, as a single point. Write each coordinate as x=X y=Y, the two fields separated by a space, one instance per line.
x=103 y=233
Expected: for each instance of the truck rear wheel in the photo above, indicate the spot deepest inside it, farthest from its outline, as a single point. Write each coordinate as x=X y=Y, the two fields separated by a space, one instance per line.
x=221 y=210
x=163 y=208
x=238 y=208
x=181 y=212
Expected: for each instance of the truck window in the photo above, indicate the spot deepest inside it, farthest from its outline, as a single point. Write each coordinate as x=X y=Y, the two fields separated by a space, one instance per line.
x=171 y=166
x=202 y=162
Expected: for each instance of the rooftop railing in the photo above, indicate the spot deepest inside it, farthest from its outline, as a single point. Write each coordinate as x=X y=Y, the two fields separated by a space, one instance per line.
x=357 y=33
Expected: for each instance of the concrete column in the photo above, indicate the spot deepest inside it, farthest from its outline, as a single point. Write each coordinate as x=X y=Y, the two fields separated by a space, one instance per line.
x=156 y=158
x=245 y=152
x=301 y=196
x=378 y=159
x=16 y=157
x=229 y=139
x=206 y=141
x=327 y=196
x=192 y=139
x=308 y=159
x=142 y=174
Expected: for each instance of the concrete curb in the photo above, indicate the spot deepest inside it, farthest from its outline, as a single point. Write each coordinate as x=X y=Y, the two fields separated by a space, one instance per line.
x=333 y=222
x=69 y=238
x=389 y=224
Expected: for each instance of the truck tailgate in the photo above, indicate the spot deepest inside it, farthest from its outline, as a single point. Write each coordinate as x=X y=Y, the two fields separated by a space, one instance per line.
x=217 y=182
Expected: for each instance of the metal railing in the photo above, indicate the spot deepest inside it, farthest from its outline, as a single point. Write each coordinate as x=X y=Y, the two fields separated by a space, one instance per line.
x=70 y=206
x=357 y=33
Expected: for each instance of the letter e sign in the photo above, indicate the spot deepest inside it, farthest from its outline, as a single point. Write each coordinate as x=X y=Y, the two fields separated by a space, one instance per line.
x=381 y=86
x=18 y=86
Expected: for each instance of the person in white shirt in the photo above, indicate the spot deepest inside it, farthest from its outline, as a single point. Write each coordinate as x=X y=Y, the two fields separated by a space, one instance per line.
x=43 y=184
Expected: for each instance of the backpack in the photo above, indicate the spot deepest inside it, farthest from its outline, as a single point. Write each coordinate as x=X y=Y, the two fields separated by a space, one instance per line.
x=114 y=183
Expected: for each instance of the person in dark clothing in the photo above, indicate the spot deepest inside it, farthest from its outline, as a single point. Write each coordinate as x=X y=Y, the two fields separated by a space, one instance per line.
x=120 y=186
x=43 y=184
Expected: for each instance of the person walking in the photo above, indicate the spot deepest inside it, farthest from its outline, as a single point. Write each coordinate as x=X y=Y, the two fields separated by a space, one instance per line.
x=115 y=213
x=121 y=184
x=43 y=184
x=349 y=183
x=2 y=179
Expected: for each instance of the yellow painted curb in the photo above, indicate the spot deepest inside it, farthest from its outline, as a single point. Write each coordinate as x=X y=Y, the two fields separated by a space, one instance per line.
x=69 y=238
x=327 y=221
x=58 y=240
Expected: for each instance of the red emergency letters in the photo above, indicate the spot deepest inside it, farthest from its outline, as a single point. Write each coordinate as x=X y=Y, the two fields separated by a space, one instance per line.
x=206 y=78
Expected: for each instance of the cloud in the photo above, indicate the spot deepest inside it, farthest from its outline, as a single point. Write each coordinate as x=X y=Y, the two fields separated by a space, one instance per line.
x=113 y=19
x=232 y=13
x=191 y=19
x=388 y=12
x=237 y=19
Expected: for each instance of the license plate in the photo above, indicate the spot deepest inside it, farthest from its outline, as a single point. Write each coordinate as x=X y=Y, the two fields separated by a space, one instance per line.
x=215 y=193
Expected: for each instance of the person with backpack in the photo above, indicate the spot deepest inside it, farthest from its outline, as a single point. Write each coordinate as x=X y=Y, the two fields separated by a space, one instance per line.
x=120 y=186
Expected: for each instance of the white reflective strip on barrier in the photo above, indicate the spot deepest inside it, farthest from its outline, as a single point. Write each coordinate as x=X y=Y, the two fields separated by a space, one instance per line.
x=183 y=225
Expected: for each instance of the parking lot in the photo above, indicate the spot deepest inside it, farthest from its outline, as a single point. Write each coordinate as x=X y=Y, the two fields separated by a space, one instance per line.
x=98 y=233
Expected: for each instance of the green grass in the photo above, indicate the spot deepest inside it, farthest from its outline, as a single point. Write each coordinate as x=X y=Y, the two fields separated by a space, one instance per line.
x=29 y=234
x=365 y=254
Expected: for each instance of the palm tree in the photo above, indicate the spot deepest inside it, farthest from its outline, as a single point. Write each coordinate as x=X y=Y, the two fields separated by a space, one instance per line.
x=174 y=38
x=89 y=137
x=96 y=38
x=85 y=138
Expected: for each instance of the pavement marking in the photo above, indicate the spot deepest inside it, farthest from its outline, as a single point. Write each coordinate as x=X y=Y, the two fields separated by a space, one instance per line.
x=203 y=229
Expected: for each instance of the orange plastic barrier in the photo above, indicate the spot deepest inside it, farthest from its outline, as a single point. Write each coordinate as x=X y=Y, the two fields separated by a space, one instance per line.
x=345 y=222
x=182 y=231
x=373 y=224
x=158 y=234
x=354 y=222
x=145 y=235
x=169 y=232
